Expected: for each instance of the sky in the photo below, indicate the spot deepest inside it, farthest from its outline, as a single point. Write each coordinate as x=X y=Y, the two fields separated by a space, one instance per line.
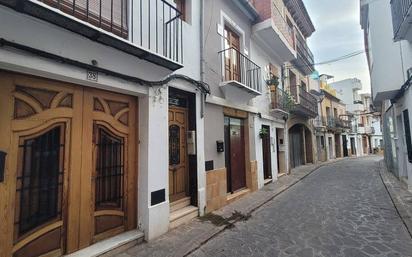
x=338 y=32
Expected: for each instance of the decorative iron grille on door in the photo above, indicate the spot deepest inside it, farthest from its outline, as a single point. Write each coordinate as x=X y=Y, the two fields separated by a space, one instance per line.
x=40 y=180
x=109 y=170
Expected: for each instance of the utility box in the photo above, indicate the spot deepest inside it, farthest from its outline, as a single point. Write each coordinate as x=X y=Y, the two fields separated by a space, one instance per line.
x=191 y=142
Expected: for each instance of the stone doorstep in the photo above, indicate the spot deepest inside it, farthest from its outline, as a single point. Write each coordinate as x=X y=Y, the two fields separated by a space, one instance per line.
x=235 y=196
x=111 y=246
x=267 y=181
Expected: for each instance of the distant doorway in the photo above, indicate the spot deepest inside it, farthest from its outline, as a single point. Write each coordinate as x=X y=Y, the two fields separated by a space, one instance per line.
x=296 y=146
x=235 y=153
x=353 y=146
x=338 y=146
x=345 y=146
x=267 y=160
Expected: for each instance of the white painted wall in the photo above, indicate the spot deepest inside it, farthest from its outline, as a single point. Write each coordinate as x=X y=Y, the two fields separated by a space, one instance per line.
x=262 y=104
x=386 y=68
x=348 y=91
x=153 y=162
x=50 y=38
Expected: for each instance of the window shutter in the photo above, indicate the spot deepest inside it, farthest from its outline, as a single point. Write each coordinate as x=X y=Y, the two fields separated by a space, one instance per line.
x=110 y=15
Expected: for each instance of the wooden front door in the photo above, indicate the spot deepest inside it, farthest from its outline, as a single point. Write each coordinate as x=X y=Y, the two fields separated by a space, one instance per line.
x=267 y=159
x=235 y=154
x=51 y=202
x=345 y=146
x=178 y=164
x=232 y=55
x=296 y=146
x=109 y=123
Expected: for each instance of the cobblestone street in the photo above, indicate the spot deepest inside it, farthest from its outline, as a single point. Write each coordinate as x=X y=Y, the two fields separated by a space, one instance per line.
x=341 y=209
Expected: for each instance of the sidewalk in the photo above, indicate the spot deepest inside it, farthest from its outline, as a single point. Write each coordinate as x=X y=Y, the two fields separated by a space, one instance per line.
x=401 y=197
x=187 y=238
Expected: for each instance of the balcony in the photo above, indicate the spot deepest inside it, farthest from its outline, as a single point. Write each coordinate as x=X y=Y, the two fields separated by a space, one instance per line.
x=366 y=130
x=304 y=61
x=281 y=101
x=150 y=30
x=402 y=19
x=331 y=123
x=241 y=77
x=273 y=32
x=305 y=103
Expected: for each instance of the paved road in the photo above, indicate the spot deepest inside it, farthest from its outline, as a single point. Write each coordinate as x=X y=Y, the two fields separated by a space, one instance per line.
x=340 y=210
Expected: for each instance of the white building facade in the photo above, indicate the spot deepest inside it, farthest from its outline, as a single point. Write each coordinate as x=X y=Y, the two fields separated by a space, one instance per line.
x=387 y=31
x=348 y=91
x=123 y=121
x=90 y=80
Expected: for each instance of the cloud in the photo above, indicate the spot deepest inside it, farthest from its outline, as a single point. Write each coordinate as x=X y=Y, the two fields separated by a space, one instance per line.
x=338 y=33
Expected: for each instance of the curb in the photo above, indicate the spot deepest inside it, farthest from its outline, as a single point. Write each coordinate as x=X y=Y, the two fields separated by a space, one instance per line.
x=400 y=210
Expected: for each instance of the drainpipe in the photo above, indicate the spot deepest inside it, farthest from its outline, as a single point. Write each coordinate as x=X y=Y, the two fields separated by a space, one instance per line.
x=202 y=68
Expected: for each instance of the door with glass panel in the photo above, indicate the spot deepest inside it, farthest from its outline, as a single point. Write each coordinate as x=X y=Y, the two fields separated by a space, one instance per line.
x=232 y=55
x=70 y=177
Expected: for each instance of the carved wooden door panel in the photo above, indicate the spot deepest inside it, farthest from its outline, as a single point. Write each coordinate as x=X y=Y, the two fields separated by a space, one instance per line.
x=178 y=167
x=109 y=125
x=37 y=118
x=70 y=177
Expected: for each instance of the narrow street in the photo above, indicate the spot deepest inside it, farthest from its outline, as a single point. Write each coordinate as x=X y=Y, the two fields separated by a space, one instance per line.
x=339 y=210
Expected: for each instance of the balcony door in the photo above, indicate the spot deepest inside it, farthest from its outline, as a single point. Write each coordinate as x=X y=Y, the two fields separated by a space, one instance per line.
x=232 y=55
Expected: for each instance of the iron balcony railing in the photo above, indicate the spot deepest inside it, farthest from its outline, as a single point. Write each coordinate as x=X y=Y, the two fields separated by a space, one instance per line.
x=400 y=10
x=307 y=100
x=341 y=123
x=280 y=22
x=236 y=66
x=331 y=122
x=154 y=25
x=305 y=56
x=280 y=100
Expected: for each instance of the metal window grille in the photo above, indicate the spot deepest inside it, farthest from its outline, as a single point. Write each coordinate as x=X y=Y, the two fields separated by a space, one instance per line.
x=109 y=170
x=40 y=181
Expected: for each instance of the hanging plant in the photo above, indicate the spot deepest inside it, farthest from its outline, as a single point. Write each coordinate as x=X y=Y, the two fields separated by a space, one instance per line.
x=263 y=132
x=272 y=80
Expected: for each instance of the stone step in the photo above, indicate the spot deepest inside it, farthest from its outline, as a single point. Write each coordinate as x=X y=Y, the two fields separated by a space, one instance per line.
x=111 y=246
x=179 y=204
x=182 y=216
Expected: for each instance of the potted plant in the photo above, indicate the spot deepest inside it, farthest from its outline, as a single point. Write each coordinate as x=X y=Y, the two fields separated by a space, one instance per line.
x=263 y=132
x=272 y=81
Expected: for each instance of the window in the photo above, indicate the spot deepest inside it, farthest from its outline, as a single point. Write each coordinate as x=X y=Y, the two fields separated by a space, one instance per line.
x=40 y=180
x=109 y=170
x=181 y=7
x=407 y=129
x=174 y=145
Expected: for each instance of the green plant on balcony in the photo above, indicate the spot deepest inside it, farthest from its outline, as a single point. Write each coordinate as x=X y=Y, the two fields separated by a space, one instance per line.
x=288 y=102
x=272 y=80
x=263 y=132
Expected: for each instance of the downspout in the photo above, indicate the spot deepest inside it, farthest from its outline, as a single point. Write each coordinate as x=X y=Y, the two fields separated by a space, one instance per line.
x=202 y=68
